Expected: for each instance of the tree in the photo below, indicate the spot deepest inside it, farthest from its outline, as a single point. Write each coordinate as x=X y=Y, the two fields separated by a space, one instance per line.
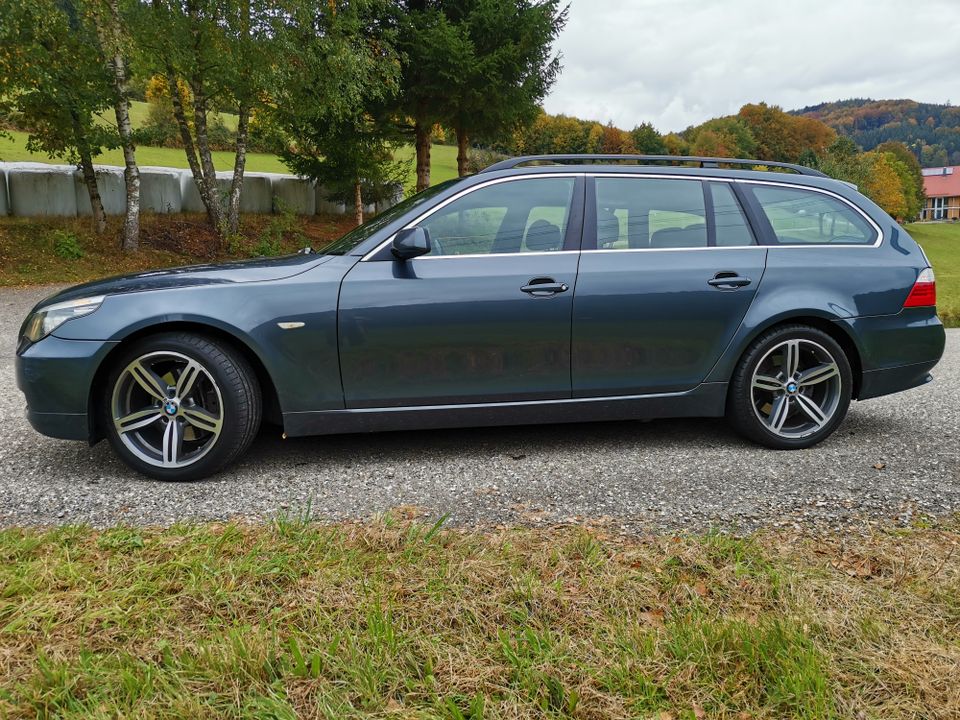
x=783 y=137
x=114 y=46
x=336 y=100
x=52 y=77
x=647 y=140
x=722 y=137
x=223 y=52
x=910 y=173
x=504 y=65
x=883 y=185
x=426 y=41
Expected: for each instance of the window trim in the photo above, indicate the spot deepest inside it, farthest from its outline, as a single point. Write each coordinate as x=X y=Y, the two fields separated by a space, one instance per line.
x=760 y=226
x=571 y=240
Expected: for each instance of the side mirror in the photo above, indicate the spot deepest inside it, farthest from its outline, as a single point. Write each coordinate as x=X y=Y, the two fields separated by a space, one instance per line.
x=410 y=243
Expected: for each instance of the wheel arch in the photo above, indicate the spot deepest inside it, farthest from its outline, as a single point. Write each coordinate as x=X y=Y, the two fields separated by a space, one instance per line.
x=271 y=400
x=836 y=330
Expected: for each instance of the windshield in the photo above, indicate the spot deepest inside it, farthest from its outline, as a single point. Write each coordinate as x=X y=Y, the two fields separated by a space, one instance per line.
x=360 y=233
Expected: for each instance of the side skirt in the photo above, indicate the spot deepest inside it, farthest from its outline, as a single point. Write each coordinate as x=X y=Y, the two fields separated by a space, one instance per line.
x=706 y=400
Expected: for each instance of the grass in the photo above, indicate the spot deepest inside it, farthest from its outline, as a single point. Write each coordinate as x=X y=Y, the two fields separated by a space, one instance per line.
x=66 y=250
x=392 y=619
x=443 y=158
x=941 y=242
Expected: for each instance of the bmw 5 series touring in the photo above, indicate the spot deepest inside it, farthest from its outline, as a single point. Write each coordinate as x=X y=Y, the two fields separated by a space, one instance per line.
x=544 y=289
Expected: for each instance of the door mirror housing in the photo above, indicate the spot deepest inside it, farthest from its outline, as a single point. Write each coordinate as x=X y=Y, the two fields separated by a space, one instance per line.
x=410 y=243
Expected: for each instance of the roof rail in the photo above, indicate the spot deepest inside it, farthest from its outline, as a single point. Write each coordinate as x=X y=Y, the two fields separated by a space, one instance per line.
x=704 y=162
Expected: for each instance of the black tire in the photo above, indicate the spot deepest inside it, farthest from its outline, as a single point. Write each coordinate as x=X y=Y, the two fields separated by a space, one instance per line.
x=744 y=408
x=238 y=399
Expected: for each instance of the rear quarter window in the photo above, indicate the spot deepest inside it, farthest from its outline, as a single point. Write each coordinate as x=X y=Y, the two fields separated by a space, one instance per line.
x=807 y=217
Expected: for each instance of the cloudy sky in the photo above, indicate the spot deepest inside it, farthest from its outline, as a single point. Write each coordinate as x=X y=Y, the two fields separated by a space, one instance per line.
x=678 y=62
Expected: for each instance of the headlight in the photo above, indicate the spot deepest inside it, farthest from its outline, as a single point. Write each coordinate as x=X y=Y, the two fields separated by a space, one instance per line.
x=45 y=320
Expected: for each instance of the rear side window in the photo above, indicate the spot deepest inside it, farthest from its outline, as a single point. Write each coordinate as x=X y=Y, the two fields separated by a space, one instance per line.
x=639 y=213
x=806 y=217
x=510 y=217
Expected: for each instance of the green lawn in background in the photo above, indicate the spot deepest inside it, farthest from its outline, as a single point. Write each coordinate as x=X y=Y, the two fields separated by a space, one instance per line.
x=941 y=242
x=13 y=149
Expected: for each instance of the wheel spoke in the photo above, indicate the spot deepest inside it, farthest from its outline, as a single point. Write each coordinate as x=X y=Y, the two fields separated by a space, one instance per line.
x=812 y=410
x=778 y=413
x=187 y=379
x=172 y=443
x=137 y=420
x=818 y=374
x=149 y=380
x=202 y=419
x=791 y=358
x=766 y=382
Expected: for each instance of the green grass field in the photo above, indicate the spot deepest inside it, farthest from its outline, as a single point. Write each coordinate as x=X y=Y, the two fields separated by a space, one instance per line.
x=389 y=619
x=941 y=242
x=443 y=164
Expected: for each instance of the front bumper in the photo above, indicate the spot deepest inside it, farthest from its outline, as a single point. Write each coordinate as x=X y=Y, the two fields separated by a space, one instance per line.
x=56 y=377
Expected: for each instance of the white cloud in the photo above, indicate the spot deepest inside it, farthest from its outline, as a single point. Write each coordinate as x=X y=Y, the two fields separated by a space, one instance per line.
x=679 y=62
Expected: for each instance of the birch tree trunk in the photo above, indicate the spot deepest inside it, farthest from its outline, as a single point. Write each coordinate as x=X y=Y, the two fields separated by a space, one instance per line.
x=215 y=206
x=357 y=203
x=422 y=142
x=89 y=177
x=240 y=161
x=111 y=40
x=462 y=151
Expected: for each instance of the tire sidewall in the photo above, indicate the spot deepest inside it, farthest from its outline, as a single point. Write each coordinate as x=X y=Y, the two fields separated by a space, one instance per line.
x=233 y=407
x=741 y=402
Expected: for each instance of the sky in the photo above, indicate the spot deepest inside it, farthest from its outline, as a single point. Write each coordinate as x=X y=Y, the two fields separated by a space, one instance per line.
x=676 y=63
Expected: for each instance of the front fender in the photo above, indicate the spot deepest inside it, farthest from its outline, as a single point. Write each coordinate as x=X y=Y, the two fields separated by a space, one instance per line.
x=302 y=361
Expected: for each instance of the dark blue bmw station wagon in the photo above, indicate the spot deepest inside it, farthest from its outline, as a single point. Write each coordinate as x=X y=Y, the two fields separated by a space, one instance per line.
x=544 y=289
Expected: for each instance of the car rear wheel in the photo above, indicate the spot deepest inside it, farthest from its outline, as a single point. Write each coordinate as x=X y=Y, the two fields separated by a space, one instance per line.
x=179 y=406
x=791 y=389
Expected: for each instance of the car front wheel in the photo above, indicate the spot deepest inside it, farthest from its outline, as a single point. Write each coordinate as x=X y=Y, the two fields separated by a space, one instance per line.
x=791 y=389
x=179 y=406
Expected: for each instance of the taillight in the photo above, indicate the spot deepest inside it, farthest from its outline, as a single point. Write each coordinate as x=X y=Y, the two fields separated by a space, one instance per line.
x=924 y=292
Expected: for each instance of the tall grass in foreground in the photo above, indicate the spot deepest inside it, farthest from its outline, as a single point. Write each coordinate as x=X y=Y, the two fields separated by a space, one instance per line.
x=400 y=620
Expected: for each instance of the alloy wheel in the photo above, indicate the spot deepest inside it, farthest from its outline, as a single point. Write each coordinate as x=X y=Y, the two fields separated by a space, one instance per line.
x=796 y=388
x=167 y=409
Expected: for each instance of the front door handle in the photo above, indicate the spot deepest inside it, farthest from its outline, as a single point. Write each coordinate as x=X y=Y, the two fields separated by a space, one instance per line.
x=728 y=281
x=544 y=287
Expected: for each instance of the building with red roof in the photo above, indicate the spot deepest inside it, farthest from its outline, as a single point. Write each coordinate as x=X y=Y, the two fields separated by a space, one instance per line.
x=942 y=188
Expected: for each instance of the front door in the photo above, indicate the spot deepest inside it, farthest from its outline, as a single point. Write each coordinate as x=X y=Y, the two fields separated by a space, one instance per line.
x=467 y=323
x=668 y=271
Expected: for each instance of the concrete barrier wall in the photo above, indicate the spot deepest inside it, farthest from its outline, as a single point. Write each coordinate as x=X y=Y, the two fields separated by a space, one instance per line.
x=160 y=190
x=35 y=189
x=38 y=189
x=113 y=192
x=4 y=205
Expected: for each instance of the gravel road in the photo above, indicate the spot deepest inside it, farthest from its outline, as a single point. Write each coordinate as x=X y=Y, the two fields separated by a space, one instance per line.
x=894 y=457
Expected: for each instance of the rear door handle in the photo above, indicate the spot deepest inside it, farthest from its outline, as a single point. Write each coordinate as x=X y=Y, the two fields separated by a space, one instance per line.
x=728 y=281
x=544 y=287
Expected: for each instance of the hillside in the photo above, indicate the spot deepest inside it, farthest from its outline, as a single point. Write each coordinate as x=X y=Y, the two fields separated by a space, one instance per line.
x=933 y=129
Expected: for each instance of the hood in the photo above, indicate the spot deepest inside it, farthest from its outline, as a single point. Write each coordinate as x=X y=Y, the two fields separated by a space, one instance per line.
x=239 y=271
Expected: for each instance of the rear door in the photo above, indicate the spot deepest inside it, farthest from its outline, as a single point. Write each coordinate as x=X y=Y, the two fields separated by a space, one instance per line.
x=669 y=268
x=484 y=317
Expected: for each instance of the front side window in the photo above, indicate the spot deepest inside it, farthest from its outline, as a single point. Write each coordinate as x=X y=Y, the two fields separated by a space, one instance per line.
x=519 y=216
x=638 y=213
x=806 y=217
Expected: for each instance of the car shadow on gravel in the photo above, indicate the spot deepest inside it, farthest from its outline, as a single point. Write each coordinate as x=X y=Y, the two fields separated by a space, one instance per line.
x=673 y=435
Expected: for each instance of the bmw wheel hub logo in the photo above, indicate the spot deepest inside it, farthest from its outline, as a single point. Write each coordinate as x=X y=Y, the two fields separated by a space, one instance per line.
x=792 y=388
x=170 y=407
